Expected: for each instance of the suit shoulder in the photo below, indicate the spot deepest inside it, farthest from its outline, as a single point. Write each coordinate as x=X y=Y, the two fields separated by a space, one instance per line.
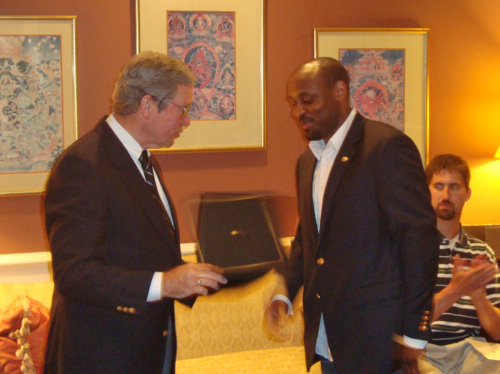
x=89 y=140
x=381 y=129
x=85 y=145
x=83 y=152
x=376 y=132
x=306 y=156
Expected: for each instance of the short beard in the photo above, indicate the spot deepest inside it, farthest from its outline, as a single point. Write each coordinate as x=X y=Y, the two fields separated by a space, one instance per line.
x=313 y=135
x=447 y=215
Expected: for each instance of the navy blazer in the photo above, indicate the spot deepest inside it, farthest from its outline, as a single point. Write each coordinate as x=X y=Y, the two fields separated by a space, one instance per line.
x=371 y=266
x=108 y=236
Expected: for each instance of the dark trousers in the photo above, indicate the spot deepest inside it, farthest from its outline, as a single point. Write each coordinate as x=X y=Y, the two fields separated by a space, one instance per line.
x=328 y=367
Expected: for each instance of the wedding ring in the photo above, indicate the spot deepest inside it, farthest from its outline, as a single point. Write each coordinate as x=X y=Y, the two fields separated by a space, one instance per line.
x=198 y=282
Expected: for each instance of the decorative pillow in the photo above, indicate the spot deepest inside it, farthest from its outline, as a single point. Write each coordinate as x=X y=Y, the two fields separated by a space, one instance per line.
x=23 y=335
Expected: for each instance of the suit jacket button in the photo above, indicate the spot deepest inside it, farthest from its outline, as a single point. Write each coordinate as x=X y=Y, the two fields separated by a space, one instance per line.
x=422 y=328
x=132 y=311
x=318 y=296
x=426 y=313
x=320 y=261
x=165 y=333
x=344 y=158
x=125 y=310
x=119 y=308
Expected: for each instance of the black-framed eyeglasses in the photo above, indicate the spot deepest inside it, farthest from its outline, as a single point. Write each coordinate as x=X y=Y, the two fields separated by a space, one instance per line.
x=185 y=109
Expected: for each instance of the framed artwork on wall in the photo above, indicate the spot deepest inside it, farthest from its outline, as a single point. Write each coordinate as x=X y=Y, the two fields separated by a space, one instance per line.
x=388 y=70
x=223 y=44
x=38 y=115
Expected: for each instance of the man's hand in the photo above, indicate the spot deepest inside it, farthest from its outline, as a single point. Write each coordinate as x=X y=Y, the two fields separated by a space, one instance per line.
x=407 y=356
x=471 y=276
x=275 y=321
x=191 y=279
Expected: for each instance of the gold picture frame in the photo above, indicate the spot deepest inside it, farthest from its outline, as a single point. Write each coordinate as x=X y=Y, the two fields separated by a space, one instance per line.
x=403 y=90
x=246 y=129
x=38 y=114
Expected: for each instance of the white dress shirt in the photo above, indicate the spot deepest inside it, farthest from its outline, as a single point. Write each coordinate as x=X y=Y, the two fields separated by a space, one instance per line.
x=134 y=149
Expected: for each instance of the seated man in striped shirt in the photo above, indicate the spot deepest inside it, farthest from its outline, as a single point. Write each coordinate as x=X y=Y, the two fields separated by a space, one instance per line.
x=467 y=298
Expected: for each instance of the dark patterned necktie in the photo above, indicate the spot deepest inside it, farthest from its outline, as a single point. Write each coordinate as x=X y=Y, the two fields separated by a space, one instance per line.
x=147 y=166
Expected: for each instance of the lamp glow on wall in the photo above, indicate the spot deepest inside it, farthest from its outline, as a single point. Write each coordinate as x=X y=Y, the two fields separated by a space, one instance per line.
x=497 y=155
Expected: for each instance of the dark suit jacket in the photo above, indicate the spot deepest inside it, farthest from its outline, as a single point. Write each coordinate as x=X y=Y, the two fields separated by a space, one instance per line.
x=107 y=236
x=378 y=245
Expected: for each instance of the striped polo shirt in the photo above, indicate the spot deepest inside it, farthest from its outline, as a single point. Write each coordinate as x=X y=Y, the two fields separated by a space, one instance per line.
x=460 y=321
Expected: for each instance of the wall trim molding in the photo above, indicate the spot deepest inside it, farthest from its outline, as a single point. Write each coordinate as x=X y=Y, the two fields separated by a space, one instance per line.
x=36 y=266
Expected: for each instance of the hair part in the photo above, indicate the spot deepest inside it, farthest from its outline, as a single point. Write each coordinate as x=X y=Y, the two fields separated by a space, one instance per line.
x=449 y=163
x=149 y=73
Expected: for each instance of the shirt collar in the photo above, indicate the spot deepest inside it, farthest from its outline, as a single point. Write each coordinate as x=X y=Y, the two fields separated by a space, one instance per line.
x=317 y=147
x=461 y=238
x=128 y=141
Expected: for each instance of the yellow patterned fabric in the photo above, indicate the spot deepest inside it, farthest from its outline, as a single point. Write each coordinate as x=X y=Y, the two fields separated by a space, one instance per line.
x=232 y=320
x=41 y=292
x=285 y=360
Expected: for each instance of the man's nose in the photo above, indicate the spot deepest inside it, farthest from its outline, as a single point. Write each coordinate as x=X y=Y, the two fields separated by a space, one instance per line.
x=446 y=193
x=297 y=111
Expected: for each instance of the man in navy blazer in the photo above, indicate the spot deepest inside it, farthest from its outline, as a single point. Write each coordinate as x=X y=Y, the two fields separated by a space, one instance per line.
x=366 y=245
x=114 y=238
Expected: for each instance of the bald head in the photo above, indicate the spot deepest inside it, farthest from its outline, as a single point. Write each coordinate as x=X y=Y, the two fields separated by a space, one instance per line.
x=327 y=69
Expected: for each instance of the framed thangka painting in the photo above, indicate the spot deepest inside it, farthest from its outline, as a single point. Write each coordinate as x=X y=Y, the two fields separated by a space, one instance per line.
x=222 y=43
x=388 y=75
x=205 y=41
x=37 y=98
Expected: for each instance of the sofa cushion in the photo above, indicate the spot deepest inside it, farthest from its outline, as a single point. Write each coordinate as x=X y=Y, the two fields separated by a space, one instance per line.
x=265 y=361
x=21 y=313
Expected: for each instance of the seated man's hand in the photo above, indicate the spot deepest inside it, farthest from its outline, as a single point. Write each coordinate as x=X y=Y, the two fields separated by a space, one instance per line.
x=470 y=277
x=191 y=279
x=275 y=321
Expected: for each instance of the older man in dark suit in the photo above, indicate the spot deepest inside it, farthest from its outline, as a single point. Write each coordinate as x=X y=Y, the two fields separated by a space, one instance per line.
x=114 y=235
x=366 y=245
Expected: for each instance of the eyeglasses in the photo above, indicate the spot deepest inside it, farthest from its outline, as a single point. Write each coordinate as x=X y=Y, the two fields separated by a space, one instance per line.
x=185 y=109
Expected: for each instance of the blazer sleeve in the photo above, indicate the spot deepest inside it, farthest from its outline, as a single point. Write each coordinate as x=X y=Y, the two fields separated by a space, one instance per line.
x=77 y=220
x=405 y=205
x=294 y=271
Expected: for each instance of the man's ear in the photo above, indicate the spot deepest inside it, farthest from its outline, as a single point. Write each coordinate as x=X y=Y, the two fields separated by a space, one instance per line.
x=340 y=90
x=146 y=105
x=468 y=194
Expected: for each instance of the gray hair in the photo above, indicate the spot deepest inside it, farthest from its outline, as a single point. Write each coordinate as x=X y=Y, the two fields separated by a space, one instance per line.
x=149 y=73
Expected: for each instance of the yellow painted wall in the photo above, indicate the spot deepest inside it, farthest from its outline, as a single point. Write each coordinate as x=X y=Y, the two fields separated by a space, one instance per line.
x=484 y=204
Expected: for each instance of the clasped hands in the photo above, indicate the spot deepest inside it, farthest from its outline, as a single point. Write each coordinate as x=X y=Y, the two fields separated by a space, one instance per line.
x=469 y=277
x=191 y=279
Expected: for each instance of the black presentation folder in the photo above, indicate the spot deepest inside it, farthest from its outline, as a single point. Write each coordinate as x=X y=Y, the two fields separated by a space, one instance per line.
x=236 y=232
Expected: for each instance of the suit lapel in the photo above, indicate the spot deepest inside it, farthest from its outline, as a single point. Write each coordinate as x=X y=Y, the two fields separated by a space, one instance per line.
x=169 y=201
x=132 y=178
x=307 y=179
x=342 y=162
